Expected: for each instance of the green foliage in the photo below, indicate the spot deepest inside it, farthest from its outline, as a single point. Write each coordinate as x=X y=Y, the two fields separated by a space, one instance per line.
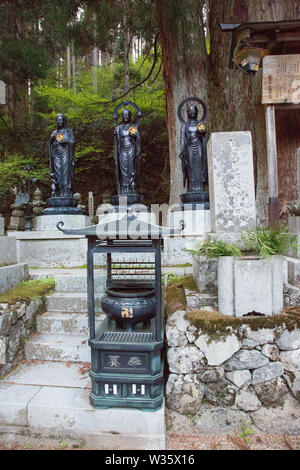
x=12 y=173
x=246 y=431
x=267 y=241
x=216 y=248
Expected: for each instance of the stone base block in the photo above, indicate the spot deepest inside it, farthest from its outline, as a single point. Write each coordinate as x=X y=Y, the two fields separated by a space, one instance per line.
x=205 y=273
x=196 y=221
x=10 y=276
x=8 y=253
x=294 y=224
x=49 y=222
x=250 y=285
x=293 y=271
x=175 y=250
x=50 y=249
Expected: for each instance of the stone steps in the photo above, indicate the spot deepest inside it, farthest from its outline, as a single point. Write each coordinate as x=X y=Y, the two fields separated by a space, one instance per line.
x=50 y=399
x=60 y=347
x=60 y=323
x=70 y=280
x=70 y=302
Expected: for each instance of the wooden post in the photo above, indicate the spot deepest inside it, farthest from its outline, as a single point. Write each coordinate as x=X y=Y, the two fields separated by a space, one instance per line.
x=273 y=207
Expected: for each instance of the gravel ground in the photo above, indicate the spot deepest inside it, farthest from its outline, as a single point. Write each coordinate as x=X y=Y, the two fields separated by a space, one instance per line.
x=183 y=435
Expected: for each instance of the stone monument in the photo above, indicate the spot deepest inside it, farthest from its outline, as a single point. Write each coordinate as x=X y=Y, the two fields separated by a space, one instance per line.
x=231 y=182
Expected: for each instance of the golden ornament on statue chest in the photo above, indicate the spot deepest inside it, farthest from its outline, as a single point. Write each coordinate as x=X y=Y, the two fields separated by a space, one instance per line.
x=201 y=127
x=132 y=130
x=60 y=137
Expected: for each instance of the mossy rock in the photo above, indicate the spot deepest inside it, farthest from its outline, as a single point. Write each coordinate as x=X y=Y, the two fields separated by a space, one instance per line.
x=217 y=326
x=28 y=291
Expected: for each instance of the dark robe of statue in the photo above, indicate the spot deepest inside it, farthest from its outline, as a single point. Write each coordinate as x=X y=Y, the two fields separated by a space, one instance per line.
x=62 y=159
x=193 y=153
x=127 y=153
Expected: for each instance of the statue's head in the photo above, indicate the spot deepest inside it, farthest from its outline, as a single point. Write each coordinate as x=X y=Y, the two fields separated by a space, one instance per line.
x=192 y=111
x=61 y=121
x=126 y=115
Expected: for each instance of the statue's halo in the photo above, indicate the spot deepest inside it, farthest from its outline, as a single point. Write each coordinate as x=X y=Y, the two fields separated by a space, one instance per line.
x=192 y=98
x=124 y=104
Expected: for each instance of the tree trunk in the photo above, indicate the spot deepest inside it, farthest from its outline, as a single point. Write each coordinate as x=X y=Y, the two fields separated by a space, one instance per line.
x=17 y=88
x=181 y=36
x=95 y=59
x=235 y=98
x=127 y=43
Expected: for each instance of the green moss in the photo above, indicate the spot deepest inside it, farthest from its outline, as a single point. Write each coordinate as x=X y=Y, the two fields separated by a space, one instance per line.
x=28 y=291
x=182 y=282
x=218 y=326
x=175 y=294
x=175 y=298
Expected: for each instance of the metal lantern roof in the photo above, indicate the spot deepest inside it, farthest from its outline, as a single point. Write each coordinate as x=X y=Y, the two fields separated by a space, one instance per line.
x=128 y=227
x=279 y=37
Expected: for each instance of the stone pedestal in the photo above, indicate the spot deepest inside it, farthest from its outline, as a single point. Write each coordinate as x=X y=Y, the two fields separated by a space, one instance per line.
x=195 y=218
x=50 y=249
x=108 y=213
x=231 y=181
x=49 y=222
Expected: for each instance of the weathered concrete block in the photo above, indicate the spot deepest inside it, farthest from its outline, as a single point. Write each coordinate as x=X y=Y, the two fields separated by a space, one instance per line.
x=293 y=268
x=2 y=227
x=10 y=276
x=71 y=221
x=231 y=181
x=8 y=253
x=196 y=221
x=247 y=285
x=205 y=273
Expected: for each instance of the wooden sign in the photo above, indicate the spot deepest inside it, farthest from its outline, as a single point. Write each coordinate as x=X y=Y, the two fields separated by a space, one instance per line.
x=281 y=79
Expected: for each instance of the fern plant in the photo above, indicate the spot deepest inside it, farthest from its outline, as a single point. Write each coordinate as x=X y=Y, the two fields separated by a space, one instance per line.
x=268 y=241
x=216 y=248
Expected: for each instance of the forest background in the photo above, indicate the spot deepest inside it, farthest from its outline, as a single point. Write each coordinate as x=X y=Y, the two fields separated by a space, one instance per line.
x=76 y=56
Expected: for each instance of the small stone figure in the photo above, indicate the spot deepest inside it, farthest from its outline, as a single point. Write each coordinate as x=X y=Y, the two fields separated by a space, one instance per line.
x=127 y=153
x=193 y=141
x=37 y=202
x=62 y=159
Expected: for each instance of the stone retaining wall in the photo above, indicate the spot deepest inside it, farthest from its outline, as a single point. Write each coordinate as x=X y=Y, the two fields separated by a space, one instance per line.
x=234 y=378
x=17 y=323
